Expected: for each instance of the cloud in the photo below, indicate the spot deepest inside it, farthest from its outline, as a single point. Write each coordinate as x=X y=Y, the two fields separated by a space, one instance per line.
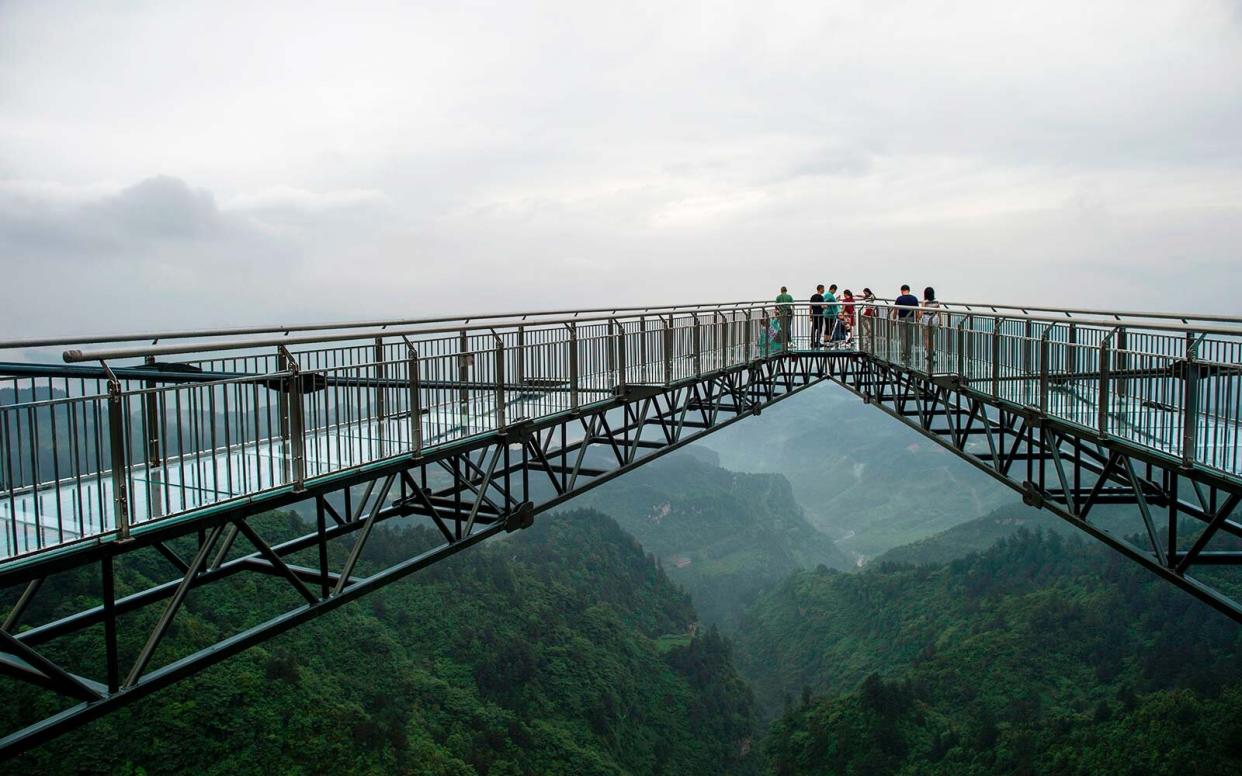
x=416 y=157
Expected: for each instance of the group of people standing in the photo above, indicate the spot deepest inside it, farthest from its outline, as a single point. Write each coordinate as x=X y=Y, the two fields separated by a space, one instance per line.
x=835 y=319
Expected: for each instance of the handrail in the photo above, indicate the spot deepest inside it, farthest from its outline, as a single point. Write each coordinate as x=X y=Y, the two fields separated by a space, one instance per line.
x=95 y=339
x=156 y=336
x=78 y=356
x=1108 y=323
x=1114 y=314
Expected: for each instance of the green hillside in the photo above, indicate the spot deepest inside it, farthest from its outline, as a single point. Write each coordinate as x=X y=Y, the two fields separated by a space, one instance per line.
x=1042 y=654
x=974 y=535
x=726 y=537
x=561 y=650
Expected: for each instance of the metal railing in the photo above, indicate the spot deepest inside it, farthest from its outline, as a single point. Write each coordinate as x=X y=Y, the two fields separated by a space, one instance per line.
x=139 y=439
x=1173 y=389
x=101 y=452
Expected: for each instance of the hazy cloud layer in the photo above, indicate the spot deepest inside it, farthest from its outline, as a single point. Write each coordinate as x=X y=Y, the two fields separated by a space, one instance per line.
x=178 y=163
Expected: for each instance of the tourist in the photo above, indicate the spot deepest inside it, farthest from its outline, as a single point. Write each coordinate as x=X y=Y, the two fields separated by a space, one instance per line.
x=831 y=311
x=929 y=316
x=904 y=310
x=867 y=318
x=770 y=336
x=817 y=313
x=847 y=313
x=785 y=310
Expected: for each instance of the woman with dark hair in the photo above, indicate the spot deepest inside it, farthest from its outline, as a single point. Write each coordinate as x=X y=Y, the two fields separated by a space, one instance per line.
x=866 y=318
x=929 y=316
x=847 y=314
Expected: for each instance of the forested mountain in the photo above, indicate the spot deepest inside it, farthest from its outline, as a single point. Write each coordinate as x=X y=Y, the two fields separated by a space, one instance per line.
x=726 y=537
x=1043 y=654
x=563 y=649
x=862 y=477
x=974 y=535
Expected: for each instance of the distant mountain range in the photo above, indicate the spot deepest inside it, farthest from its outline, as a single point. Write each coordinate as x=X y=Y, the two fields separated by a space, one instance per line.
x=726 y=537
x=862 y=477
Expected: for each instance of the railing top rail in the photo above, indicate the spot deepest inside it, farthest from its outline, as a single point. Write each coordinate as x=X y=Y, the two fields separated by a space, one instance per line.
x=212 y=346
x=78 y=356
x=156 y=336
x=1114 y=314
x=1104 y=323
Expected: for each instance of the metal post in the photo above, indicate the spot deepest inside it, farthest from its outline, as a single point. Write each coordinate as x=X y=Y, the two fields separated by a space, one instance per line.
x=573 y=364
x=610 y=349
x=297 y=427
x=997 y=325
x=463 y=372
x=698 y=346
x=970 y=341
x=1105 y=379
x=120 y=464
x=1071 y=349
x=500 y=381
x=642 y=348
x=620 y=356
x=1043 y=372
x=380 y=409
x=725 y=337
x=668 y=350
x=961 y=348
x=1190 y=403
x=746 y=335
x=413 y=369
x=1123 y=361
x=151 y=410
x=282 y=409
x=1026 y=348
x=521 y=357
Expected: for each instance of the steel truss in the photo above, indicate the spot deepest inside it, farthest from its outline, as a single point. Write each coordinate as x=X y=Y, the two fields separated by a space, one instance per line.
x=469 y=491
x=1070 y=470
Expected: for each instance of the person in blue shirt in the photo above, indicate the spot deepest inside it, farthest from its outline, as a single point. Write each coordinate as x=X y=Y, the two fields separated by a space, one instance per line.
x=905 y=311
x=831 y=311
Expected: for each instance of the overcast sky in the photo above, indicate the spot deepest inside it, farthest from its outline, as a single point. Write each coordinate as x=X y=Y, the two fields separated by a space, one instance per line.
x=173 y=164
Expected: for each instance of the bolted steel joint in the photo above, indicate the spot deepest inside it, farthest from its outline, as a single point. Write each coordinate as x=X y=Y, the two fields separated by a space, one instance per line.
x=522 y=517
x=1031 y=495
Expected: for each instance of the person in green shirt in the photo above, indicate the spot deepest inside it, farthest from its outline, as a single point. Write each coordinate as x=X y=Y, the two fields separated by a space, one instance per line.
x=784 y=305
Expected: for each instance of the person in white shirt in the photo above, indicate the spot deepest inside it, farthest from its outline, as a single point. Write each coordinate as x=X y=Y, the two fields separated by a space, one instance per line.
x=929 y=317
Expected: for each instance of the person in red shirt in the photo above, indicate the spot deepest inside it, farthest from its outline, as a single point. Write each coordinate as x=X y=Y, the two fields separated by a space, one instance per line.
x=847 y=314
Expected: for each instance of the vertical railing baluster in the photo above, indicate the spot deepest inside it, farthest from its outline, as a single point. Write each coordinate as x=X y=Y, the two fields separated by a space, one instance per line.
x=500 y=380
x=697 y=345
x=1105 y=380
x=412 y=367
x=297 y=424
x=117 y=432
x=621 y=360
x=463 y=372
x=1123 y=361
x=747 y=356
x=380 y=403
x=642 y=349
x=150 y=407
x=573 y=364
x=282 y=412
x=668 y=350
x=1044 y=351
x=997 y=325
x=520 y=358
x=1190 y=402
